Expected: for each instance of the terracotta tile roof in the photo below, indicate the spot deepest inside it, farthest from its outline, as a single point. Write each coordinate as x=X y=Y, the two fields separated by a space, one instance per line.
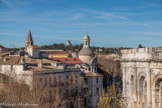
x=89 y=74
x=4 y=54
x=30 y=63
x=69 y=60
x=2 y=46
x=35 y=61
x=56 y=52
x=36 y=68
x=36 y=46
x=10 y=60
x=17 y=60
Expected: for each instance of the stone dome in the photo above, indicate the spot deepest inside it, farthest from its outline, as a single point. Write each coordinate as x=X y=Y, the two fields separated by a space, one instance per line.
x=86 y=51
x=86 y=37
x=86 y=54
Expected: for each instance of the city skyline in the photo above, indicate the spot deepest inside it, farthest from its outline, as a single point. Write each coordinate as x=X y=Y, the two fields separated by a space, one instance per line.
x=109 y=24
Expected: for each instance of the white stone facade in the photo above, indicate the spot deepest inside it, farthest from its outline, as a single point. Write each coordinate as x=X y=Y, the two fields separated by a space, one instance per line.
x=33 y=52
x=142 y=77
x=95 y=85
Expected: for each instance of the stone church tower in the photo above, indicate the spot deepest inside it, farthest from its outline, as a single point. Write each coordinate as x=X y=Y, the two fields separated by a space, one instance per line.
x=68 y=44
x=29 y=40
x=87 y=56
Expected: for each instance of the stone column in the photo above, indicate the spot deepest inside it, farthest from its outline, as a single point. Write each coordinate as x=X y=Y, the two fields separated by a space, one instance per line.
x=135 y=84
x=124 y=81
x=160 y=96
x=153 y=96
x=148 y=87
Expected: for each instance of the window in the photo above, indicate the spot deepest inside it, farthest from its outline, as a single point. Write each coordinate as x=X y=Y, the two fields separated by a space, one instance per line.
x=40 y=79
x=45 y=81
x=86 y=80
x=67 y=79
x=50 y=95
x=59 y=79
x=50 y=81
x=71 y=79
x=89 y=101
x=86 y=42
x=89 y=69
x=55 y=81
x=76 y=78
x=97 y=90
x=97 y=80
x=0 y=67
x=11 y=67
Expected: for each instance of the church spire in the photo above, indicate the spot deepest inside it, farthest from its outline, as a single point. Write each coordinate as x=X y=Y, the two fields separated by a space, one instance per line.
x=29 y=39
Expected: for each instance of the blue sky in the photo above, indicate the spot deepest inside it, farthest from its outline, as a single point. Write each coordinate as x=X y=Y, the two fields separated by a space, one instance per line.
x=110 y=23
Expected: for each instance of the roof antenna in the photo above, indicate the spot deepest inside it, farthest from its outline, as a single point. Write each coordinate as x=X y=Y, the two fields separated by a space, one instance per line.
x=29 y=28
x=86 y=29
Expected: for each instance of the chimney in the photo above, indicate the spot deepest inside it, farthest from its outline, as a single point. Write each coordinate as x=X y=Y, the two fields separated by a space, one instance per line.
x=29 y=59
x=5 y=58
x=40 y=64
x=23 y=60
x=21 y=53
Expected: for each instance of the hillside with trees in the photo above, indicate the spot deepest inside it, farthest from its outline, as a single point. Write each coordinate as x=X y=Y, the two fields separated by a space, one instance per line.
x=78 y=47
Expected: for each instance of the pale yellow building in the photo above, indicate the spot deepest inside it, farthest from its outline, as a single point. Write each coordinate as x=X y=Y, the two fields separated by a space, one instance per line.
x=57 y=53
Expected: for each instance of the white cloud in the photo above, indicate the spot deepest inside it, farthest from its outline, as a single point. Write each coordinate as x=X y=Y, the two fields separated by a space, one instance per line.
x=7 y=3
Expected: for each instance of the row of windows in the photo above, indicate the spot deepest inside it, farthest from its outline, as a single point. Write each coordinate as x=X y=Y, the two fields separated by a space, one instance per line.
x=58 y=80
x=86 y=80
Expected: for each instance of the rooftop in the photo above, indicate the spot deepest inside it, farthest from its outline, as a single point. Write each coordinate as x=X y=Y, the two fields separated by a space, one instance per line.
x=36 y=46
x=16 y=59
x=69 y=60
x=56 y=52
x=90 y=74
x=2 y=46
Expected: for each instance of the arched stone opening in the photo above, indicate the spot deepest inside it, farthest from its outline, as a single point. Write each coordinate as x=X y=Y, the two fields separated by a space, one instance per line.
x=158 y=93
x=145 y=94
x=132 y=85
x=142 y=92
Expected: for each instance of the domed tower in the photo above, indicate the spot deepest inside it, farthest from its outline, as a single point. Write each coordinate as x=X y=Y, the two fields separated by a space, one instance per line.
x=86 y=54
x=86 y=41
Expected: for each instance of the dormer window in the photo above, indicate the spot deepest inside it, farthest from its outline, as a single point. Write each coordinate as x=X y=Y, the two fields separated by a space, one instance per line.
x=66 y=59
x=75 y=59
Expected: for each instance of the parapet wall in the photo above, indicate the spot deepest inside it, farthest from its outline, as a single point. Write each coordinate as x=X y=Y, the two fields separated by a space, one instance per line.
x=142 y=54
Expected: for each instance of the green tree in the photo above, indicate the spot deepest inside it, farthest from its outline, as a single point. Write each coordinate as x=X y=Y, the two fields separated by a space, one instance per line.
x=111 y=98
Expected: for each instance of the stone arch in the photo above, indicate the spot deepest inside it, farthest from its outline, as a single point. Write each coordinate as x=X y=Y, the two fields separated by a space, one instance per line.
x=159 y=76
x=132 y=85
x=142 y=90
x=140 y=75
x=157 y=91
x=93 y=64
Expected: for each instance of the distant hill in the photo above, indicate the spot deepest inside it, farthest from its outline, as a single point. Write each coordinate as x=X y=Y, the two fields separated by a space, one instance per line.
x=101 y=50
